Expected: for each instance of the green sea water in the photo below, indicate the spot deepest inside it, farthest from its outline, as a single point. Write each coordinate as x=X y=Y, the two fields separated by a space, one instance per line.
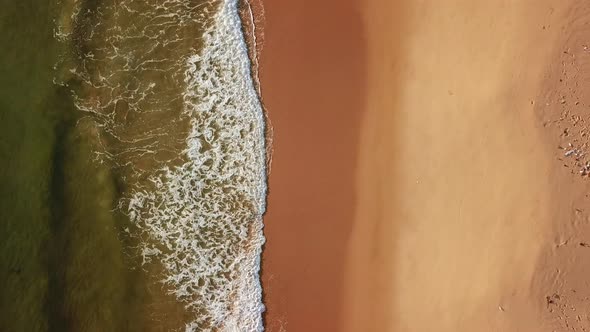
x=62 y=263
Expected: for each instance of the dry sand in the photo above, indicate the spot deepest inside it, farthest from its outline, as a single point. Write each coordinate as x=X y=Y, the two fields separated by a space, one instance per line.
x=462 y=195
x=420 y=180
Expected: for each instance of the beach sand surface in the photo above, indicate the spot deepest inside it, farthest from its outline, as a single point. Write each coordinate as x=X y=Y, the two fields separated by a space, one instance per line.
x=419 y=179
x=462 y=193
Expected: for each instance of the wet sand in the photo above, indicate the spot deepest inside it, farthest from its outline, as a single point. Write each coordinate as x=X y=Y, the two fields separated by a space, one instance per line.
x=426 y=171
x=313 y=79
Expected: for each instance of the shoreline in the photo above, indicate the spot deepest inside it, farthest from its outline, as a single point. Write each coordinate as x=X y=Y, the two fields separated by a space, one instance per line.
x=251 y=13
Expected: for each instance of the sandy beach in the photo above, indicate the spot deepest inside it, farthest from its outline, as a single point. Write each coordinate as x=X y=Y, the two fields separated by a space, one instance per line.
x=429 y=168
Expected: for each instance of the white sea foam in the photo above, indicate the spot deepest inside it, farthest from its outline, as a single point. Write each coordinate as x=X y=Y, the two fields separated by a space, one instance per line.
x=201 y=218
x=208 y=212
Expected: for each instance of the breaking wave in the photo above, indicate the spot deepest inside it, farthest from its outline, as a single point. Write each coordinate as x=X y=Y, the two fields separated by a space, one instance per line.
x=169 y=87
x=208 y=212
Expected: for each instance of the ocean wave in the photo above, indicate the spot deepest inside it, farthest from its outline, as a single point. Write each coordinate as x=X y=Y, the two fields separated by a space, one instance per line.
x=197 y=202
x=208 y=212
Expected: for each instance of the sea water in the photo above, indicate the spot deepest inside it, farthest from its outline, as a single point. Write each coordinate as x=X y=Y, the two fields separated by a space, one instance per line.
x=207 y=212
x=154 y=182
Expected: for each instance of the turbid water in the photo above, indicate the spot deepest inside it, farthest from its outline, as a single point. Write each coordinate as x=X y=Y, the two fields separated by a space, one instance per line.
x=28 y=120
x=62 y=263
x=133 y=176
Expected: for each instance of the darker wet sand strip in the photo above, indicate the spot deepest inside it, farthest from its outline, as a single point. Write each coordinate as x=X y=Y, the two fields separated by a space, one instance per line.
x=313 y=79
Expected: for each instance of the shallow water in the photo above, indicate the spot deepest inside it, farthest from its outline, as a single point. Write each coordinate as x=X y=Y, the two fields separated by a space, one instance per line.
x=133 y=177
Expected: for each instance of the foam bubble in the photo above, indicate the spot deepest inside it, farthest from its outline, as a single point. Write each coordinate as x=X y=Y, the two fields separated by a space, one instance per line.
x=208 y=212
x=201 y=215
